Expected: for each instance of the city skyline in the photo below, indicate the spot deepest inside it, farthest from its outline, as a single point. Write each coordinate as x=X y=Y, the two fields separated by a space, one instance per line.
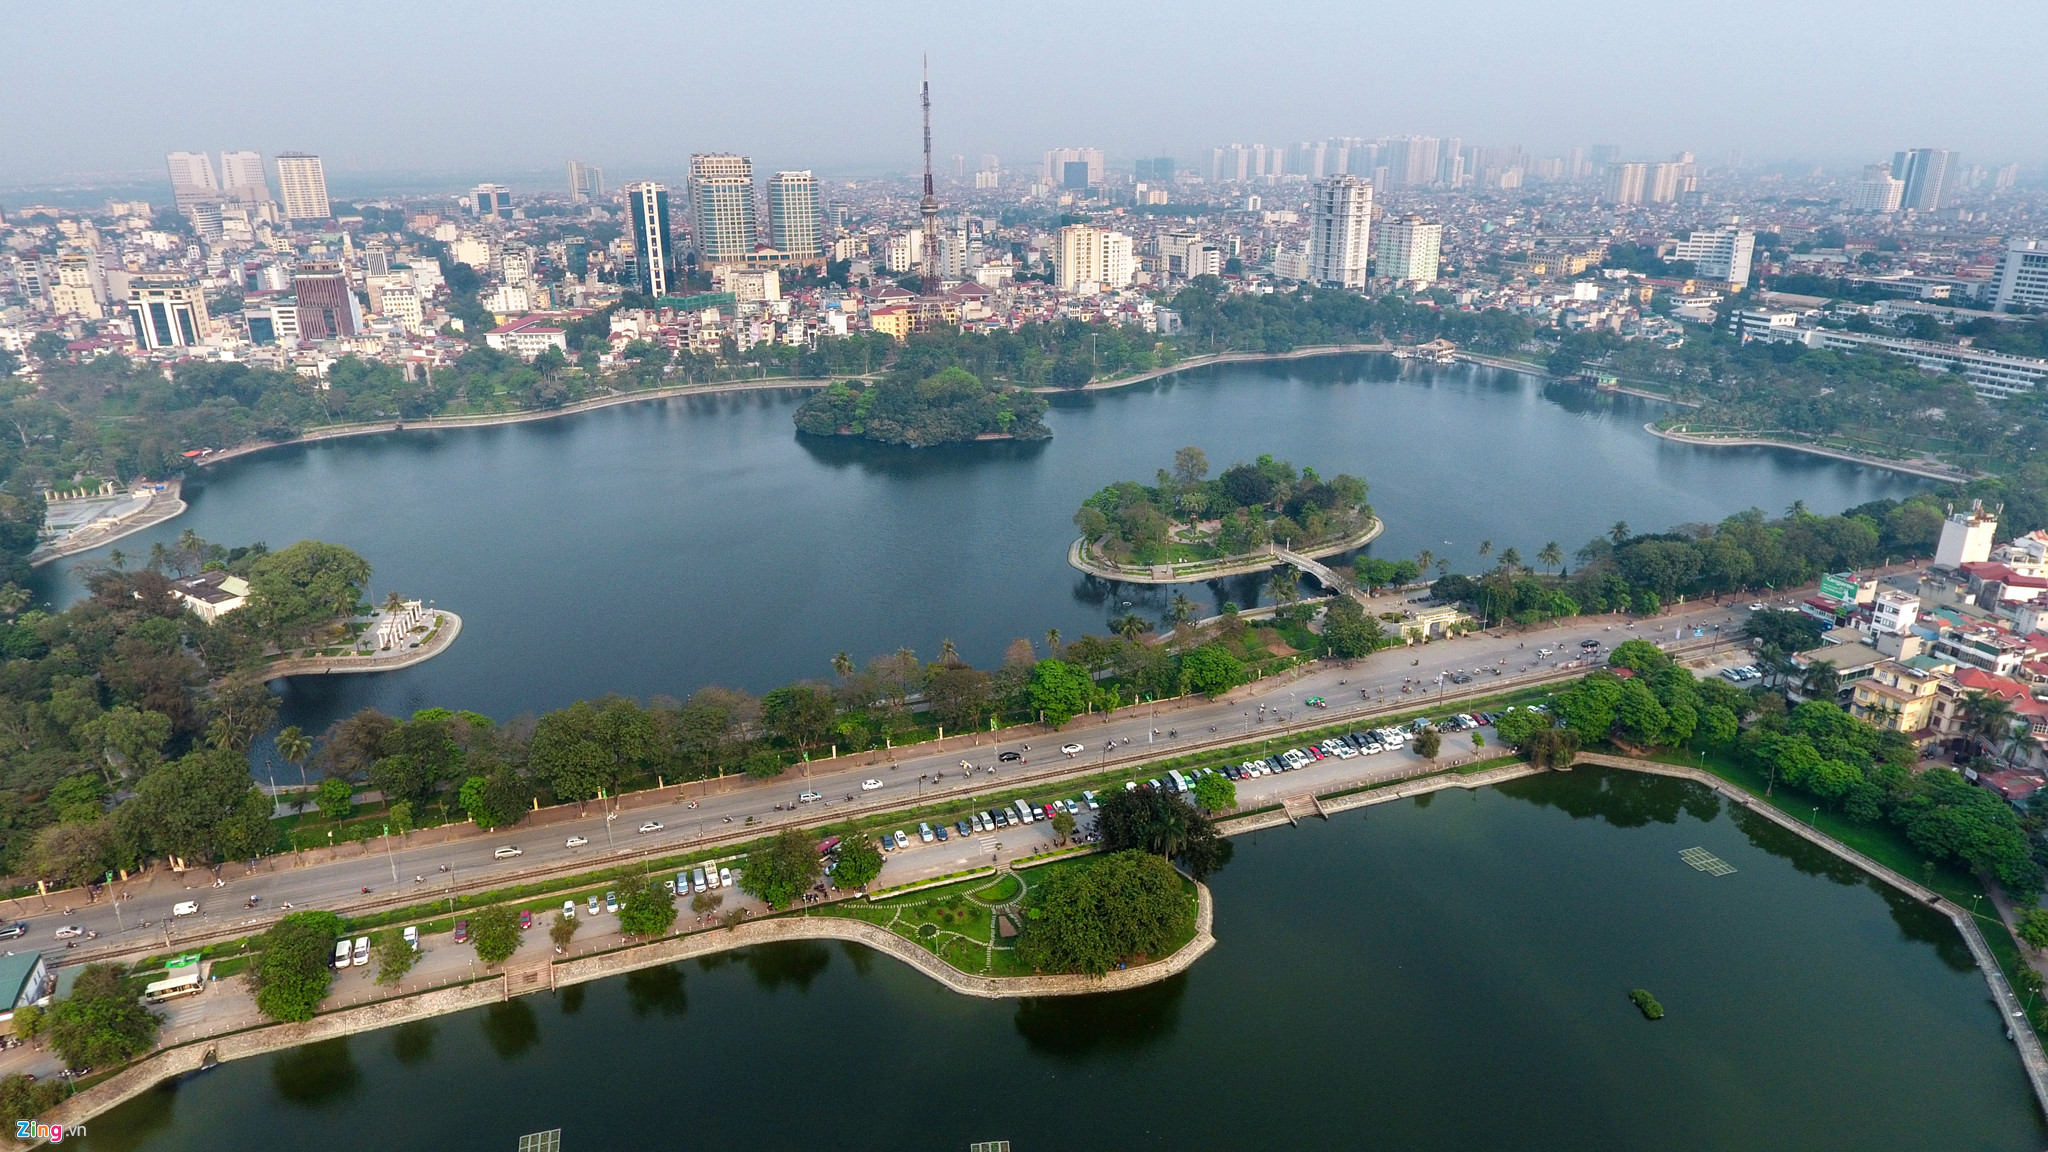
x=1834 y=102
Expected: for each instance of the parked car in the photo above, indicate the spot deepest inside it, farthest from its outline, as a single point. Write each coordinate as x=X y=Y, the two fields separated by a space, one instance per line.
x=697 y=882
x=462 y=931
x=569 y=906
x=940 y=831
x=577 y=841
x=412 y=937
x=725 y=877
x=611 y=901
x=963 y=828
x=870 y=784
x=924 y=833
x=341 y=954
x=525 y=919
x=594 y=905
x=650 y=826
x=360 y=954
x=711 y=872
x=902 y=839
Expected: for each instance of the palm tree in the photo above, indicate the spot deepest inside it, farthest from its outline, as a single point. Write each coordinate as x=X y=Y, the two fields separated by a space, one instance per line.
x=947 y=653
x=1511 y=560
x=1424 y=559
x=1619 y=533
x=1822 y=681
x=117 y=559
x=1485 y=549
x=393 y=602
x=1551 y=556
x=1987 y=719
x=842 y=664
x=1180 y=609
x=1797 y=510
x=1130 y=625
x=1287 y=584
x=1052 y=643
x=295 y=747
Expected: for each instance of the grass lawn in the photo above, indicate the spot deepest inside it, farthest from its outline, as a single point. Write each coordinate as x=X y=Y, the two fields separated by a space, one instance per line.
x=957 y=923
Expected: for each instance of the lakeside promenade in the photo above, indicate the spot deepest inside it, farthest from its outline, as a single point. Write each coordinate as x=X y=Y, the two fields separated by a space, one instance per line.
x=446 y=627
x=160 y=506
x=1926 y=467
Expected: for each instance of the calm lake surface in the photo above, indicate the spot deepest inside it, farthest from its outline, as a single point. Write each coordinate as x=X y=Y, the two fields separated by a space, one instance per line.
x=655 y=548
x=1447 y=973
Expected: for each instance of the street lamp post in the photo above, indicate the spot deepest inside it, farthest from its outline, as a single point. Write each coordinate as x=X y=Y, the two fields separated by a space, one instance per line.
x=388 y=857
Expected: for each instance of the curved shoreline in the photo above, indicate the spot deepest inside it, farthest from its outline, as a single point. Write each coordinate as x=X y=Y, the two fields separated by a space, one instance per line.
x=351 y=665
x=170 y=504
x=1956 y=476
x=1218 y=358
x=1240 y=568
x=196 y=1054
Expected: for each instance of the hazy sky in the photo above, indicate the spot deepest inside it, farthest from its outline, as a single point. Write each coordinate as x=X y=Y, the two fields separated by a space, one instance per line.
x=636 y=87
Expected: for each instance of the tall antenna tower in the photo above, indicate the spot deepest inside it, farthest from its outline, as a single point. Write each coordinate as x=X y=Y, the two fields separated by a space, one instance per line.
x=928 y=208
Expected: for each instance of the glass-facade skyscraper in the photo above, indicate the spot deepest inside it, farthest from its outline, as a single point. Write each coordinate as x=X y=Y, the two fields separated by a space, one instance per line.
x=793 y=215
x=653 y=263
x=722 y=207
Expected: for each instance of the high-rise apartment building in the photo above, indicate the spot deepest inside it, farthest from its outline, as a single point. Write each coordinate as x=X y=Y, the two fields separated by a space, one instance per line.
x=1412 y=161
x=2022 y=276
x=1338 y=239
x=302 y=186
x=1089 y=259
x=192 y=179
x=1662 y=184
x=169 y=310
x=1722 y=254
x=1625 y=183
x=722 y=207
x=1878 y=191
x=80 y=288
x=1932 y=177
x=1057 y=160
x=653 y=260
x=793 y=215
x=1408 y=250
x=586 y=181
x=242 y=179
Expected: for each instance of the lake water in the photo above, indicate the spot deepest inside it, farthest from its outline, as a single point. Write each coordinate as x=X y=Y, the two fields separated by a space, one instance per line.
x=1445 y=973
x=658 y=547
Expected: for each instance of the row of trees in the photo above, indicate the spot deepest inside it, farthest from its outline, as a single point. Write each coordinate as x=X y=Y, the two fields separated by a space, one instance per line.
x=1626 y=571
x=948 y=406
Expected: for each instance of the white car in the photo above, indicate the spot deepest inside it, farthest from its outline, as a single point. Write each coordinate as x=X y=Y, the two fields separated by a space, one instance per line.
x=870 y=784
x=412 y=937
x=577 y=841
x=1070 y=749
x=902 y=841
x=68 y=931
x=651 y=826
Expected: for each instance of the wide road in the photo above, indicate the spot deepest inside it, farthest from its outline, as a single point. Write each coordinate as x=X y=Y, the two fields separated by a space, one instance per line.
x=735 y=808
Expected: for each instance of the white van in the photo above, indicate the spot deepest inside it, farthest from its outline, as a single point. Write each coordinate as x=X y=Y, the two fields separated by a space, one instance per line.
x=1180 y=782
x=1024 y=812
x=711 y=875
x=341 y=953
x=697 y=880
x=185 y=908
x=361 y=954
x=506 y=853
x=412 y=937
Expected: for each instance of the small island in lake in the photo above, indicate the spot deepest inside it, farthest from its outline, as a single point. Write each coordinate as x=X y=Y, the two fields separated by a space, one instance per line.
x=1648 y=1003
x=945 y=408
x=1186 y=516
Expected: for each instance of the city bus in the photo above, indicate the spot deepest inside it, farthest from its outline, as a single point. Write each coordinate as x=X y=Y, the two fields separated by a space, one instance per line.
x=184 y=983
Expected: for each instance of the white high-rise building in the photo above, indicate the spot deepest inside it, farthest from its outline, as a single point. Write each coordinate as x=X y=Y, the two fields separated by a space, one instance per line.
x=1338 y=239
x=1408 y=250
x=1057 y=167
x=586 y=181
x=1087 y=260
x=1625 y=183
x=2022 y=276
x=1932 y=177
x=1878 y=191
x=1722 y=254
x=302 y=186
x=191 y=179
x=722 y=207
x=793 y=214
x=241 y=177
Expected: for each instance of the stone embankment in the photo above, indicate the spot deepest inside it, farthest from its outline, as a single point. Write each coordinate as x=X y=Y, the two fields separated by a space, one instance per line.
x=1081 y=554
x=162 y=506
x=1222 y=358
x=133 y=1081
x=447 y=627
x=1925 y=467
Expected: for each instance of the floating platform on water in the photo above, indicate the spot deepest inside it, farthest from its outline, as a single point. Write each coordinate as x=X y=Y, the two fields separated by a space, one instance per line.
x=1706 y=862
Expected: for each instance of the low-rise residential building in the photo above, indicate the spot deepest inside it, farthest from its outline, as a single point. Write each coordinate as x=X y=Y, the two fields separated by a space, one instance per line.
x=529 y=336
x=1900 y=698
x=212 y=594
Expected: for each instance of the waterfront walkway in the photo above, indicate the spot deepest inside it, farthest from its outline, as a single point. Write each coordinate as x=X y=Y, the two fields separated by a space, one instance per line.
x=447 y=626
x=160 y=506
x=1925 y=466
x=1082 y=554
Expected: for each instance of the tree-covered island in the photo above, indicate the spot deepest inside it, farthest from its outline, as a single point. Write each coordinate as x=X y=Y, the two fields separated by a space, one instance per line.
x=1184 y=515
x=944 y=408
